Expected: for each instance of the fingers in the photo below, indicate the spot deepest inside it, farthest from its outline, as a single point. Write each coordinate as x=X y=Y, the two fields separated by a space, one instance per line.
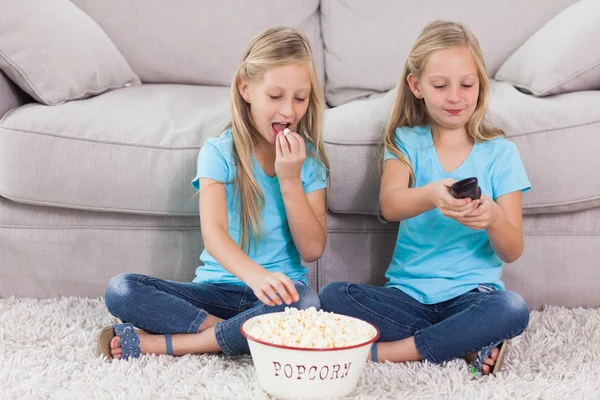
x=448 y=182
x=476 y=219
x=277 y=288
x=475 y=225
x=282 y=291
x=453 y=202
x=262 y=296
x=301 y=145
x=479 y=217
x=285 y=145
x=455 y=214
x=470 y=206
x=290 y=288
x=460 y=212
x=278 y=147
x=291 y=143
x=479 y=213
x=284 y=288
x=292 y=139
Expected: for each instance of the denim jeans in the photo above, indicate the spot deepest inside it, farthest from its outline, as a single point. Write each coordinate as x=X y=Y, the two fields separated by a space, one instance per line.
x=161 y=306
x=441 y=331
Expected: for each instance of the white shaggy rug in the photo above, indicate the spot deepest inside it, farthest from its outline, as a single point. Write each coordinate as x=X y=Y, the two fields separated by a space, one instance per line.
x=48 y=351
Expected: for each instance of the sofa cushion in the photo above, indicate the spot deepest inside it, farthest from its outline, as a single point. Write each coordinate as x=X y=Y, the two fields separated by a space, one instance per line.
x=10 y=95
x=561 y=57
x=130 y=150
x=199 y=42
x=363 y=56
x=68 y=56
x=557 y=138
x=66 y=252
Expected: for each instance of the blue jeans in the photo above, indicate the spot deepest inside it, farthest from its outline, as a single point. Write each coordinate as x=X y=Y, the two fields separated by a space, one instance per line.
x=161 y=306
x=442 y=331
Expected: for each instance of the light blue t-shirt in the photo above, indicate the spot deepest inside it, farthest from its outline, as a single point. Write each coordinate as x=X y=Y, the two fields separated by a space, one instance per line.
x=436 y=258
x=276 y=250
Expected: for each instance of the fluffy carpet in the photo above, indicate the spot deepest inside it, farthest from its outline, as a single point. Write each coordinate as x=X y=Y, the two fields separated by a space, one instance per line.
x=48 y=351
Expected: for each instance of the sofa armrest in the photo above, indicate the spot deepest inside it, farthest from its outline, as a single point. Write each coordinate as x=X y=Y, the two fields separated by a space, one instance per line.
x=11 y=95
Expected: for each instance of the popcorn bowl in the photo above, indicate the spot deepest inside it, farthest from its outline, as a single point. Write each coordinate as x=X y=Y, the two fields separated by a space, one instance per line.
x=289 y=372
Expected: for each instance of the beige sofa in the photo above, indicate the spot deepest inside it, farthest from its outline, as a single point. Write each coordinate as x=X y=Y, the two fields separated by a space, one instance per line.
x=98 y=186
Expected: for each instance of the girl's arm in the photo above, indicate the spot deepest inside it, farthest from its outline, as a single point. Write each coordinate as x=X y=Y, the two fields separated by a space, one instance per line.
x=306 y=217
x=399 y=202
x=213 y=216
x=503 y=222
x=305 y=212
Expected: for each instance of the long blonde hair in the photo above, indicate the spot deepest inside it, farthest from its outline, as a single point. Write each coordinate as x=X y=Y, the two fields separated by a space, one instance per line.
x=411 y=111
x=272 y=48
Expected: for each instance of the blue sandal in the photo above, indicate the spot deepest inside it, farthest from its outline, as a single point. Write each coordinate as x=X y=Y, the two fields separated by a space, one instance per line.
x=130 y=341
x=475 y=367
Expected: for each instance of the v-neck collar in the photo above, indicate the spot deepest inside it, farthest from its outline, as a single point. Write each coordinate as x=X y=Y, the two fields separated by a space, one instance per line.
x=261 y=173
x=438 y=163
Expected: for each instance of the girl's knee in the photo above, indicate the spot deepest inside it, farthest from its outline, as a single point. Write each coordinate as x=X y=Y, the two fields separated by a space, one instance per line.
x=308 y=298
x=515 y=309
x=336 y=297
x=117 y=290
x=332 y=290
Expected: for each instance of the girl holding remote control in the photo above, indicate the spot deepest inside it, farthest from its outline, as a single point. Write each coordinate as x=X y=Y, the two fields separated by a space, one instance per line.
x=444 y=298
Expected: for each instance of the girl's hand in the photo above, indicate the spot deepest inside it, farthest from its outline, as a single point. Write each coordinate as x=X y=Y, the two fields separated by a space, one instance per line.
x=448 y=205
x=484 y=216
x=290 y=154
x=272 y=287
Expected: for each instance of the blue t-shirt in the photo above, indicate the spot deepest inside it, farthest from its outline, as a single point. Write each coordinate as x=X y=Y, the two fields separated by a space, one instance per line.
x=436 y=258
x=275 y=250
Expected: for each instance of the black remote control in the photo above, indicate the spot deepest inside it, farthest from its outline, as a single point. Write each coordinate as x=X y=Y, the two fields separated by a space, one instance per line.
x=466 y=189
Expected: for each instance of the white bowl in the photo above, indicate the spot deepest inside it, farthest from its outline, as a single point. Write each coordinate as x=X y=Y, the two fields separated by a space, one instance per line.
x=307 y=373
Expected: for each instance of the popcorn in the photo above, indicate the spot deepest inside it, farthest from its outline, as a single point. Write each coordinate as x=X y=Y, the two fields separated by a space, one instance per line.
x=311 y=329
x=286 y=131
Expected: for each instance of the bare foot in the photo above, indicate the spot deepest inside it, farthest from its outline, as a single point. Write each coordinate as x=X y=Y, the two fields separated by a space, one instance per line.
x=488 y=363
x=148 y=344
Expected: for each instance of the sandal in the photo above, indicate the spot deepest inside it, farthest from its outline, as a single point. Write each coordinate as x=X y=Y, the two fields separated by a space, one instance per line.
x=484 y=353
x=130 y=341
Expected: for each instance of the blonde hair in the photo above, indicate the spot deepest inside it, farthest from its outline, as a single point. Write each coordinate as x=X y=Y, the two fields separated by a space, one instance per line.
x=272 y=48
x=411 y=111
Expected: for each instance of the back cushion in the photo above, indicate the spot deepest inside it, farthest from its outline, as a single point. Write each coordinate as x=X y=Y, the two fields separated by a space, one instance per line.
x=10 y=95
x=367 y=42
x=197 y=41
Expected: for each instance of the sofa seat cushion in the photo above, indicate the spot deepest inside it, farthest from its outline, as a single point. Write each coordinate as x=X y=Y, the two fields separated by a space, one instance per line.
x=129 y=150
x=557 y=138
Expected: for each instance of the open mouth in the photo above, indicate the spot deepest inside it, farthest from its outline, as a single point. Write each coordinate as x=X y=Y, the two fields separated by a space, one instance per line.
x=279 y=127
